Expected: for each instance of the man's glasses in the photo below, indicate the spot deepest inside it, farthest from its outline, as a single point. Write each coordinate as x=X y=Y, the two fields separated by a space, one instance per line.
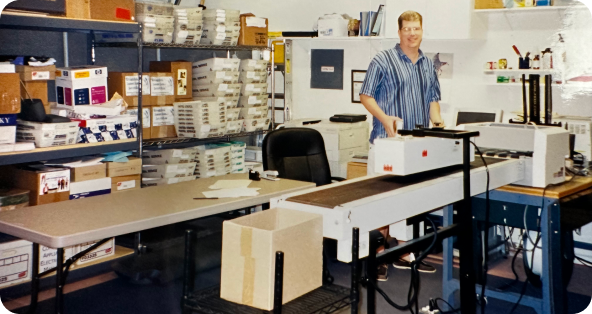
x=409 y=29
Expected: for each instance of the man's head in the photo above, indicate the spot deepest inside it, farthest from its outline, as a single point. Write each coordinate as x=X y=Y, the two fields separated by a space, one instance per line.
x=410 y=29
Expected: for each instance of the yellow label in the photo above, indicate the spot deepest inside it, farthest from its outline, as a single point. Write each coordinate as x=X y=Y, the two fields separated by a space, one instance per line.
x=288 y=66
x=58 y=73
x=84 y=74
x=273 y=35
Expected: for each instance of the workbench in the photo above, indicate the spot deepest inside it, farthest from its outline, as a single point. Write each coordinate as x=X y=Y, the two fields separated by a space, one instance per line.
x=63 y=224
x=562 y=208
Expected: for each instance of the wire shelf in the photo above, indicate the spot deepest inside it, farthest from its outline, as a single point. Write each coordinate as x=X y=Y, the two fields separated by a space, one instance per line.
x=324 y=300
x=182 y=46
x=163 y=142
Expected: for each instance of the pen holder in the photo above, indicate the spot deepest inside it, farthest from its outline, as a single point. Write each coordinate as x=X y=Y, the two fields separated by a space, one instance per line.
x=524 y=63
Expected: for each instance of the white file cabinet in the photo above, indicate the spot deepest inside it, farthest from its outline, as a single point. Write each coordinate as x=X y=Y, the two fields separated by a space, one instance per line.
x=342 y=141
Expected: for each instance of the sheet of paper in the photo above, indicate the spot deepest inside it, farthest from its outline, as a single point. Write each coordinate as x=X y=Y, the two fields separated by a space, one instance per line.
x=230 y=184
x=227 y=193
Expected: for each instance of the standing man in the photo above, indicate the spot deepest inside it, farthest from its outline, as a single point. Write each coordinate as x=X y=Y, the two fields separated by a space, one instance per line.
x=402 y=86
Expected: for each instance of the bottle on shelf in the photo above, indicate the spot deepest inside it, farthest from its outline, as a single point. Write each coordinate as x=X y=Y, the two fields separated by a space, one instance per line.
x=536 y=63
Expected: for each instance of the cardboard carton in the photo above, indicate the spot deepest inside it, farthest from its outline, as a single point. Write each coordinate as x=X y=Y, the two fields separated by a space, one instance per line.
x=249 y=245
x=15 y=262
x=126 y=85
x=11 y=199
x=29 y=73
x=162 y=88
x=88 y=173
x=489 y=4
x=182 y=74
x=253 y=30
x=146 y=120
x=10 y=93
x=84 y=85
x=35 y=89
x=105 y=250
x=118 y=169
x=168 y=156
x=125 y=183
x=110 y=10
x=163 y=122
x=90 y=188
x=47 y=185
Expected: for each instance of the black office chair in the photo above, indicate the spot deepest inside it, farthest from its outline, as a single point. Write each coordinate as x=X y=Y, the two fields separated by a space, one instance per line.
x=297 y=154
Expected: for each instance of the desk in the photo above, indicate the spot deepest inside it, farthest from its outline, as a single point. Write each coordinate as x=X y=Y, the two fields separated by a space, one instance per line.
x=59 y=225
x=560 y=209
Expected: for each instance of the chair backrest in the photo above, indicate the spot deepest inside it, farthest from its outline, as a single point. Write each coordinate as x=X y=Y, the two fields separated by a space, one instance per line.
x=297 y=154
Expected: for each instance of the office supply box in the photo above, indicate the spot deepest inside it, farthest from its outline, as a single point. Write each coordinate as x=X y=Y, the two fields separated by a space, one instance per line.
x=84 y=85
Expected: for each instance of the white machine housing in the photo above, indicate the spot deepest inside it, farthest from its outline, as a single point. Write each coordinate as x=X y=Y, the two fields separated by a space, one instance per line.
x=404 y=155
x=581 y=127
x=549 y=147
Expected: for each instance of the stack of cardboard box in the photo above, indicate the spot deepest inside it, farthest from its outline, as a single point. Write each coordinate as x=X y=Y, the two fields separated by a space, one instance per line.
x=125 y=176
x=168 y=166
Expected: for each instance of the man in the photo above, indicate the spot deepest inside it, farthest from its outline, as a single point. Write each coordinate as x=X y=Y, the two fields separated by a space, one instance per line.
x=401 y=86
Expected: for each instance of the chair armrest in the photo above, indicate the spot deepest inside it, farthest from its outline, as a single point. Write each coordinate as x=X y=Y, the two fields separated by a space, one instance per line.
x=338 y=179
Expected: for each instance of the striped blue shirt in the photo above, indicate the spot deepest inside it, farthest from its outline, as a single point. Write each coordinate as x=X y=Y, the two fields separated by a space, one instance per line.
x=396 y=85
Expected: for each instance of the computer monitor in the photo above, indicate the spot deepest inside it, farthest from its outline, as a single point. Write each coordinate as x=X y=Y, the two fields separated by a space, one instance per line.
x=472 y=115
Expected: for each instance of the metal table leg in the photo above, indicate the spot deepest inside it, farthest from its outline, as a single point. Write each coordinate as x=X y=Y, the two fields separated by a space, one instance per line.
x=59 y=298
x=34 y=279
x=355 y=292
x=448 y=256
x=553 y=289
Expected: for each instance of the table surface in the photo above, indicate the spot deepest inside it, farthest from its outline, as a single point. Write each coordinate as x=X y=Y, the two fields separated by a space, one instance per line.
x=576 y=185
x=72 y=222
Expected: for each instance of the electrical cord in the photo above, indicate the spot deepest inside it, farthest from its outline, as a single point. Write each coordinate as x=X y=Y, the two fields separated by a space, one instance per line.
x=414 y=283
x=523 y=291
x=486 y=235
x=584 y=262
x=434 y=305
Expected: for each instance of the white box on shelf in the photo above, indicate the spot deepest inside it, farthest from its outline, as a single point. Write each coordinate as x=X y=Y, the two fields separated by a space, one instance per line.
x=15 y=262
x=84 y=85
x=168 y=171
x=168 y=156
x=216 y=64
x=253 y=101
x=254 y=153
x=48 y=256
x=254 y=89
x=333 y=27
x=230 y=102
x=90 y=188
x=234 y=127
x=253 y=66
x=47 y=134
x=8 y=128
x=217 y=90
x=254 y=113
x=216 y=77
x=254 y=125
x=104 y=250
x=233 y=114
x=253 y=77
x=148 y=182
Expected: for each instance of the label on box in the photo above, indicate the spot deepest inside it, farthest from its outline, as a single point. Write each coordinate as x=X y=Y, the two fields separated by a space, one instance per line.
x=145 y=116
x=54 y=182
x=206 y=128
x=182 y=82
x=98 y=94
x=82 y=74
x=41 y=75
x=172 y=168
x=222 y=87
x=177 y=153
x=250 y=74
x=220 y=74
x=182 y=34
x=162 y=86
x=221 y=36
x=163 y=116
x=173 y=180
x=124 y=185
x=7 y=119
x=131 y=85
x=252 y=63
x=221 y=29
x=249 y=87
x=254 y=111
x=255 y=22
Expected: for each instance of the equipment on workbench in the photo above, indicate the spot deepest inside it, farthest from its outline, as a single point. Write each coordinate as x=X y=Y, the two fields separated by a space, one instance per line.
x=534 y=103
x=543 y=148
x=415 y=152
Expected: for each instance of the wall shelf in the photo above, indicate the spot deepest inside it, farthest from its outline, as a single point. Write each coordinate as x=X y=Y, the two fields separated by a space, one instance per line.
x=181 y=46
x=517 y=71
x=182 y=142
x=531 y=9
x=76 y=150
x=62 y=24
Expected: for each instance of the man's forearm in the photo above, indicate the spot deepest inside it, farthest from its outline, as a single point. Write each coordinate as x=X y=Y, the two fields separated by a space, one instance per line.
x=435 y=115
x=372 y=106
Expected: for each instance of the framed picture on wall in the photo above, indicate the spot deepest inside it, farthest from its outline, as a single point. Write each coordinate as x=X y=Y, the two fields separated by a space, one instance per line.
x=357 y=79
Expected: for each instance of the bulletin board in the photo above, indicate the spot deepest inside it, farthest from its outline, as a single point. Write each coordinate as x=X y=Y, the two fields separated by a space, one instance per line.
x=357 y=79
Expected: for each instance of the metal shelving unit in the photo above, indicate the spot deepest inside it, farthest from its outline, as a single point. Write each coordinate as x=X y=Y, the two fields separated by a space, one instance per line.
x=62 y=24
x=183 y=142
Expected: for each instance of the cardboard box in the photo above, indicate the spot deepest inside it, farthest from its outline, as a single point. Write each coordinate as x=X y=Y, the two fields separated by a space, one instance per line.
x=50 y=6
x=249 y=245
x=126 y=85
x=84 y=85
x=333 y=28
x=168 y=156
x=125 y=183
x=105 y=250
x=29 y=73
x=47 y=134
x=10 y=93
x=8 y=128
x=48 y=256
x=168 y=171
x=90 y=188
x=110 y=10
x=79 y=174
x=149 y=182
x=162 y=88
x=489 y=4
x=146 y=120
x=163 y=122
x=181 y=73
x=47 y=184
x=118 y=169
x=253 y=30
x=35 y=89
x=15 y=262
x=11 y=199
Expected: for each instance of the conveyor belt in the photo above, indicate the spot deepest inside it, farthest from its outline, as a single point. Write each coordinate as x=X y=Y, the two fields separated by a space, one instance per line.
x=342 y=194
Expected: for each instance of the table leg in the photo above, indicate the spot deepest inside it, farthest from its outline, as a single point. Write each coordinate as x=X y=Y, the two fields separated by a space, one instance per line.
x=553 y=289
x=355 y=293
x=34 y=279
x=371 y=273
x=448 y=256
x=59 y=298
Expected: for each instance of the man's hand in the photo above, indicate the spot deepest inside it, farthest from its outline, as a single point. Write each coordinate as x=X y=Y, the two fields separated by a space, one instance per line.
x=389 y=125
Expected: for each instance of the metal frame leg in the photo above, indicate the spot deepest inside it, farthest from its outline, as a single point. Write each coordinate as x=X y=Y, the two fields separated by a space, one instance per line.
x=34 y=279
x=465 y=239
x=278 y=288
x=371 y=271
x=188 y=270
x=59 y=298
x=554 y=300
x=355 y=271
x=448 y=258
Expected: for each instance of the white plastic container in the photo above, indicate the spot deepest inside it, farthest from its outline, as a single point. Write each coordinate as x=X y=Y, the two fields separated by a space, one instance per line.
x=231 y=21
x=187 y=37
x=47 y=134
x=253 y=101
x=254 y=89
x=252 y=65
x=216 y=64
x=216 y=77
x=188 y=11
x=168 y=171
x=253 y=113
x=156 y=8
x=221 y=13
x=201 y=130
x=217 y=90
x=254 y=125
x=234 y=127
x=253 y=77
x=230 y=102
x=158 y=35
x=198 y=106
x=156 y=20
x=232 y=114
x=148 y=182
